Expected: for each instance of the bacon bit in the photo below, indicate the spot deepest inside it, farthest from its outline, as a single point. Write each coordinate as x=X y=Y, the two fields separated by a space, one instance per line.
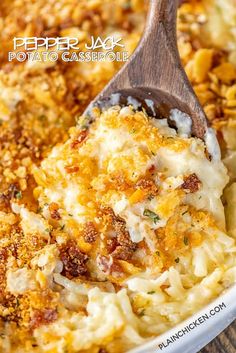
x=102 y=350
x=3 y=255
x=80 y=138
x=152 y=168
x=70 y=169
x=123 y=236
x=111 y=245
x=107 y=265
x=74 y=260
x=147 y=185
x=53 y=209
x=191 y=183
x=125 y=247
x=123 y=252
x=104 y=263
x=90 y=233
x=43 y=317
x=120 y=182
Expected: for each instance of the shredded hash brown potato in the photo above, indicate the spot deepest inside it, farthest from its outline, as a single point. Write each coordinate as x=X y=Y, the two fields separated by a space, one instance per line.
x=111 y=232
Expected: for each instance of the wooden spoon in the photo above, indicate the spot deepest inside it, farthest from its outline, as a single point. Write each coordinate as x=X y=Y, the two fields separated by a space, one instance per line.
x=154 y=72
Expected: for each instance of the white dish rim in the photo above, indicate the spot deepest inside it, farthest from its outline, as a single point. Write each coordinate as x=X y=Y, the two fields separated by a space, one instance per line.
x=202 y=334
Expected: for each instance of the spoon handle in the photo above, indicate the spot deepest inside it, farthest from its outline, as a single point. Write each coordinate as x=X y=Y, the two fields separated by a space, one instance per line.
x=161 y=27
x=157 y=53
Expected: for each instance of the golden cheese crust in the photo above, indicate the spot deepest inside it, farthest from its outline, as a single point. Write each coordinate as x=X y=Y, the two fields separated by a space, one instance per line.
x=115 y=216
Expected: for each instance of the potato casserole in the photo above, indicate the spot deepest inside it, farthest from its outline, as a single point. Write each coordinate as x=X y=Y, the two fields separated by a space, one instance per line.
x=113 y=230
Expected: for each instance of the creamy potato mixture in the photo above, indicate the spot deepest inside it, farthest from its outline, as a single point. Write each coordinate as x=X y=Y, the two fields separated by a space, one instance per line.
x=112 y=230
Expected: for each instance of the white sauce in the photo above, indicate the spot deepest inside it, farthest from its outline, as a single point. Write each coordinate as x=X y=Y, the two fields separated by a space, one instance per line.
x=212 y=144
x=134 y=102
x=183 y=122
x=115 y=98
x=150 y=105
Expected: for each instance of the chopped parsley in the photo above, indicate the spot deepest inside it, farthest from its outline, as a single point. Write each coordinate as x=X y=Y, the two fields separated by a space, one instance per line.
x=62 y=227
x=17 y=302
x=152 y=215
x=39 y=210
x=151 y=292
x=18 y=195
x=82 y=122
x=142 y=313
x=42 y=117
x=186 y=240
